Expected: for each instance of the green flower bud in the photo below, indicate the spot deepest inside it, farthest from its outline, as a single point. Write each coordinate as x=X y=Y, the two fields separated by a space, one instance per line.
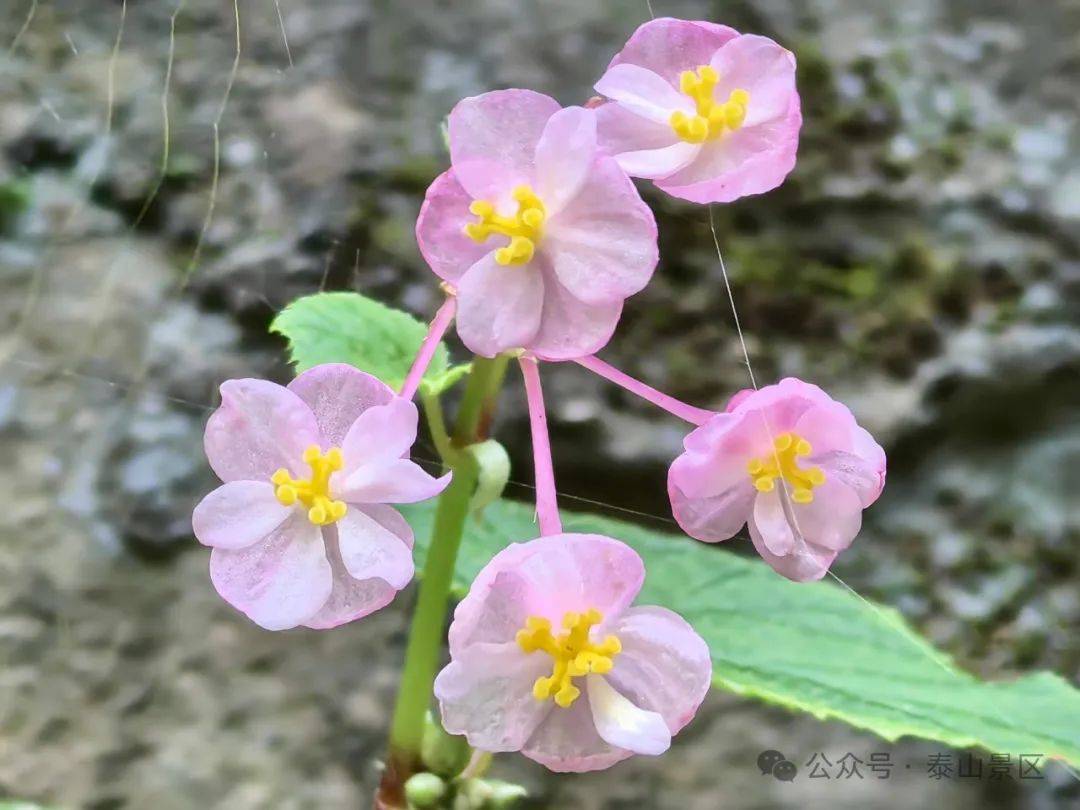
x=424 y=790
x=443 y=753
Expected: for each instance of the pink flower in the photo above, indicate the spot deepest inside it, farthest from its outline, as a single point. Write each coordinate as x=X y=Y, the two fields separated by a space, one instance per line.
x=791 y=462
x=710 y=114
x=300 y=530
x=548 y=658
x=542 y=236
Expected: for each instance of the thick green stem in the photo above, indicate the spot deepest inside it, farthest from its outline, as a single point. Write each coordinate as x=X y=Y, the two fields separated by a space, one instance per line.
x=429 y=619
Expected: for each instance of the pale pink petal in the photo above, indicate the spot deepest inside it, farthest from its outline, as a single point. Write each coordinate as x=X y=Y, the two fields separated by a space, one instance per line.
x=664 y=665
x=546 y=577
x=737 y=399
x=712 y=518
x=833 y=519
x=618 y=130
x=781 y=405
x=259 y=428
x=805 y=535
x=762 y=68
x=571 y=328
x=368 y=549
x=486 y=695
x=350 y=598
x=564 y=155
x=496 y=608
x=280 y=582
x=567 y=741
x=337 y=393
x=751 y=160
x=602 y=245
x=643 y=92
x=499 y=308
x=493 y=140
x=658 y=163
x=622 y=724
x=872 y=455
x=440 y=229
x=396 y=481
x=238 y=514
x=719 y=468
x=774 y=524
x=805 y=564
x=380 y=434
x=668 y=46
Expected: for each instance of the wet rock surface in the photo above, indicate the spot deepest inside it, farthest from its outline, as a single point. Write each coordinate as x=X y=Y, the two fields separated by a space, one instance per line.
x=922 y=263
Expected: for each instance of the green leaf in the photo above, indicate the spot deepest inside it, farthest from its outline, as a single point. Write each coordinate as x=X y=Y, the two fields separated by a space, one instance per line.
x=343 y=327
x=815 y=647
x=438 y=384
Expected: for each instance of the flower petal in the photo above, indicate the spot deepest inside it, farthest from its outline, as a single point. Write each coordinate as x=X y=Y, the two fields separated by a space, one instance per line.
x=337 y=393
x=833 y=519
x=776 y=529
x=380 y=434
x=397 y=481
x=643 y=92
x=805 y=564
x=368 y=549
x=762 y=68
x=668 y=46
x=602 y=245
x=619 y=130
x=564 y=155
x=499 y=307
x=440 y=229
x=622 y=724
x=658 y=163
x=278 y=583
x=493 y=140
x=567 y=741
x=353 y=598
x=546 y=577
x=237 y=514
x=486 y=695
x=259 y=428
x=571 y=328
x=711 y=518
x=751 y=160
x=664 y=665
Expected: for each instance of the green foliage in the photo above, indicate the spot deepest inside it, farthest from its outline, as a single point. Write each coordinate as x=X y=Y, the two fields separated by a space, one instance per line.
x=342 y=327
x=813 y=647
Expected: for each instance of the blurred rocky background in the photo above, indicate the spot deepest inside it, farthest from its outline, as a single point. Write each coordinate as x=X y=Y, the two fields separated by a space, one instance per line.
x=922 y=263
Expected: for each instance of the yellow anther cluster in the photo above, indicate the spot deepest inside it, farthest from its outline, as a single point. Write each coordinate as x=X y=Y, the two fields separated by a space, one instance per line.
x=523 y=229
x=573 y=653
x=314 y=492
x=712 y=117
x=783 y=463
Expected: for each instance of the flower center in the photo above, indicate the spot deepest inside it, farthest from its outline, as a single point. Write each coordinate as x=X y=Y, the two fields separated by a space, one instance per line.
x=712 y=117
x=314 y=492
x=572 y=652
x=783 y=463
x=523 y=229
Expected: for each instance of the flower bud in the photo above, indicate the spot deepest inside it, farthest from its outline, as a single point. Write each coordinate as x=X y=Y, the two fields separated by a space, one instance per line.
x=424 y=790
x=443 y=753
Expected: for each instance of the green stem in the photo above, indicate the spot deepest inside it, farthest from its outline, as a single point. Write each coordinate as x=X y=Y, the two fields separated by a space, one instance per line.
x=429 y=618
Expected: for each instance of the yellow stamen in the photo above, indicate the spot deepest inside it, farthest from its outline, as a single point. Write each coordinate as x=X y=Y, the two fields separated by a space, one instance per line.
x=573 y=653
x=783 y=463
x=712 y=118
x=523 y=229
x=314 y=492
